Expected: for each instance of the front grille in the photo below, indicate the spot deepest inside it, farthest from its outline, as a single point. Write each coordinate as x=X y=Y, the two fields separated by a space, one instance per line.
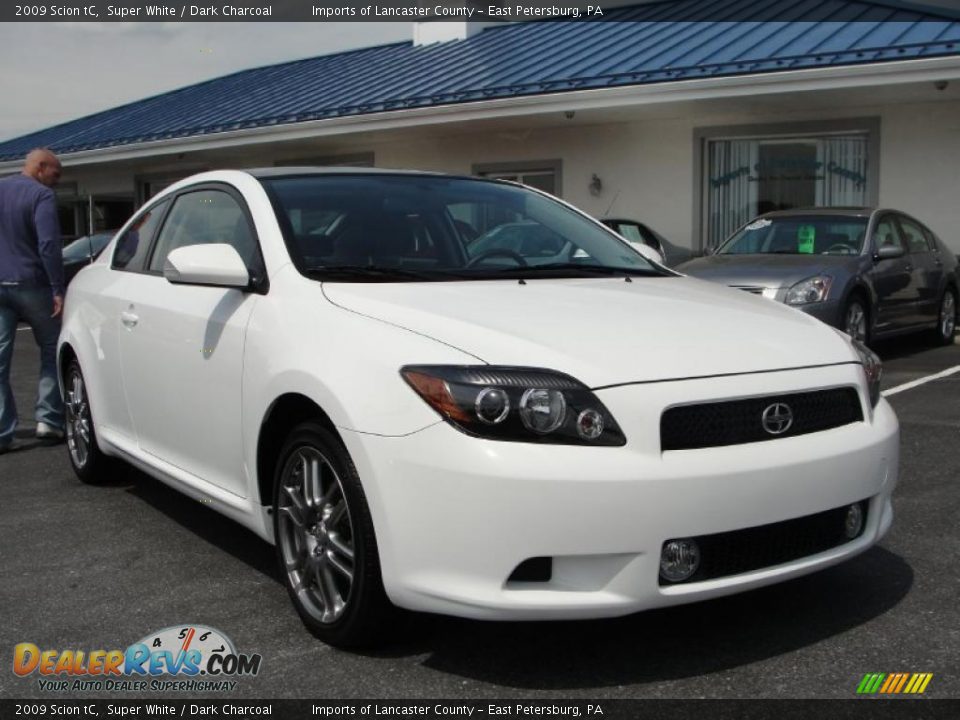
x=740 y=551
x=733 y=422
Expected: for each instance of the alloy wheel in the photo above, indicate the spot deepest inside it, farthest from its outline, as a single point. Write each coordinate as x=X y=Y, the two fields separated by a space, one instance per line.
x=948 y=316
x=316 y=534
x=855 y=323
x=79 y=424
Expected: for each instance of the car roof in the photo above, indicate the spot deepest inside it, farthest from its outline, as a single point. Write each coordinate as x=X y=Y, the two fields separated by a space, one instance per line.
x=272 y=172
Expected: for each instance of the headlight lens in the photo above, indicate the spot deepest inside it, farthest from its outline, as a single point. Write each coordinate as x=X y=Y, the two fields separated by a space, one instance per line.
x=811 y=290
x=872 y=368
x=518 y=404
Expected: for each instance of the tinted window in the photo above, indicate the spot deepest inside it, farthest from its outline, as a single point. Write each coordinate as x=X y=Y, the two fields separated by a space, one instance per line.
x=913 y=234
x=205 y=217
x=886 y=234
x=131 y=250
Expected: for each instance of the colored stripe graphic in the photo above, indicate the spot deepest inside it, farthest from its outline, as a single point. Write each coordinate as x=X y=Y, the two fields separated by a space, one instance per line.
x=894 y=683
x=891 y=682
x=900 y=684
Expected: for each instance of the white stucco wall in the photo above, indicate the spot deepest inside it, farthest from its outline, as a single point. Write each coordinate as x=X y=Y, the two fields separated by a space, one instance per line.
x=920 y=170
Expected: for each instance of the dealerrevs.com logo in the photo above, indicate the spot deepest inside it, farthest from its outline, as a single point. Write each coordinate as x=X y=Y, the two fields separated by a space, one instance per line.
x=190 y=658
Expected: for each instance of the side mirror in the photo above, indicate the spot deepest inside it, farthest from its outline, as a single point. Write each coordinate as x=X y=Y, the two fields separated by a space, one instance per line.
x=889 y=252
x=648 y=252
x=216 y=264
x=707 y=251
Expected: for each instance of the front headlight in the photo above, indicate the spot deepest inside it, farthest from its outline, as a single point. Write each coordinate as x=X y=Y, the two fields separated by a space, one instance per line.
x=872 y=369
x=518 y=404
x=811 y=290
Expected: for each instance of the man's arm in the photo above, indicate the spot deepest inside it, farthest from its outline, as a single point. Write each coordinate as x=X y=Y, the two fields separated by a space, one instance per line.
x=49 y=244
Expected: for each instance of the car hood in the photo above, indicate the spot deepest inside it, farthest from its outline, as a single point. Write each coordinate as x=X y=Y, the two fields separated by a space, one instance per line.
x=772 y=271
x=603 y=331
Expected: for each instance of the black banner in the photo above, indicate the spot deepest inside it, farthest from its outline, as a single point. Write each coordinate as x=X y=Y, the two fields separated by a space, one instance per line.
x=874 y=709
x=417 y=10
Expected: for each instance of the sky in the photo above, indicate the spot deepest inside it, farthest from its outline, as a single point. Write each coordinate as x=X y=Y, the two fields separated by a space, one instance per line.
x=54 y=72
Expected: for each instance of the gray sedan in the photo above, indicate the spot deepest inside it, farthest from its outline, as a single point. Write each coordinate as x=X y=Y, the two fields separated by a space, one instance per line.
x=872 y=273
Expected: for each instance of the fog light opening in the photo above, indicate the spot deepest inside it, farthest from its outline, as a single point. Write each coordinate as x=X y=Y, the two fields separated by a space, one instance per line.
x=679 y=560
x=853 y=521
x=532 y=570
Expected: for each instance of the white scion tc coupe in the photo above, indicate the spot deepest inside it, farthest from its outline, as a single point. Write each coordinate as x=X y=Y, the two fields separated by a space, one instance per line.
x=555 y=429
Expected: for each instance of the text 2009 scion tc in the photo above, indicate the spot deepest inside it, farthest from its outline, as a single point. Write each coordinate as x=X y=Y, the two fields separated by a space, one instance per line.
x=418 y=417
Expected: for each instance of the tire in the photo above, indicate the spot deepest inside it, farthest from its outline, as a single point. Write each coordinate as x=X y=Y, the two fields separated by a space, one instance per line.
x=946 y=318
x=856 y=320
x=326 y=547
x=88 y=461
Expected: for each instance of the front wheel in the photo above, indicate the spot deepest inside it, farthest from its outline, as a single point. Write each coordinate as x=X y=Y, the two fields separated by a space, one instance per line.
x=856 y=321
x=88 y=461
x=325 y=541
x=946 y=318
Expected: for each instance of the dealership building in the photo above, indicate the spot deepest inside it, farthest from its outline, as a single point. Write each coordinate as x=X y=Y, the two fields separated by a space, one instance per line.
x=692 y=126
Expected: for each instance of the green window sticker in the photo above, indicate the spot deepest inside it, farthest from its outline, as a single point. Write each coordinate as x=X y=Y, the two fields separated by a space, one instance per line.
x=806 y=236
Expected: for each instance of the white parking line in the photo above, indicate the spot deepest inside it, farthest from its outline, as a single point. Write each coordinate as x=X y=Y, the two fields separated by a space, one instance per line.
x=23 y=328
x=920 y=381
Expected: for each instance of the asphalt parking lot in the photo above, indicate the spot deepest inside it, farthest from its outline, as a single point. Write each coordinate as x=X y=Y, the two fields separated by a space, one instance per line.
x=101 y=567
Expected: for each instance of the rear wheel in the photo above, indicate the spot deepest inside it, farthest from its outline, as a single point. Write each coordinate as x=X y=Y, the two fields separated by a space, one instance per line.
x=88 y=461
x=856 y=320
x=946 y=318
x=325 y=541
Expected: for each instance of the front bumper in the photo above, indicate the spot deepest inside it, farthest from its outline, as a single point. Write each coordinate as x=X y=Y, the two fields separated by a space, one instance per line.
x=455 y=515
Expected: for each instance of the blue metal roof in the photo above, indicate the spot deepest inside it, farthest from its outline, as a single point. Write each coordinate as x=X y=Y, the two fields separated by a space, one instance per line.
x=664 y=41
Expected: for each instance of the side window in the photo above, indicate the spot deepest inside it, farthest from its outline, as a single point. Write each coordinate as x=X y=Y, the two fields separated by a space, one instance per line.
x=205 y=217
x=886 y=234
x=132 y=247
x=913 y=234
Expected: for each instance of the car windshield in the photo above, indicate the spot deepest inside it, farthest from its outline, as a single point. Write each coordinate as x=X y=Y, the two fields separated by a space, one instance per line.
x=357 y=228
x=798 y=235
x=86 y=246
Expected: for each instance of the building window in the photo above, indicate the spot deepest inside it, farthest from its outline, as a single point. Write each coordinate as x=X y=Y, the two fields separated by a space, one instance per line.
x=751 y=171
x=542 y=175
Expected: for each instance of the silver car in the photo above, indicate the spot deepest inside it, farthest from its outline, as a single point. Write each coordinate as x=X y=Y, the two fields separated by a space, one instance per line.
x=873 y=273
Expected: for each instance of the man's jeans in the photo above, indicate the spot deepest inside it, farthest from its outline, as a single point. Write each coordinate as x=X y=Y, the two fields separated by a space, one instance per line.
x=33 y=305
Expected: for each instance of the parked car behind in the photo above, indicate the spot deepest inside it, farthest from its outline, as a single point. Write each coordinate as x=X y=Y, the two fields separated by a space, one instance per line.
x=83 y=251
x=496 y=435
x=873 y=273
x=637 y=232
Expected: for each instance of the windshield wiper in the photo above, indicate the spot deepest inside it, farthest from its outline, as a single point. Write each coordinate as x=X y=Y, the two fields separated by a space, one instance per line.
x=577 y=267
x=370 y=272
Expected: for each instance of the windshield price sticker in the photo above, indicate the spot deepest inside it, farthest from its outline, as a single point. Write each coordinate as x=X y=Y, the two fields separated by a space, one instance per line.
x=806 y=236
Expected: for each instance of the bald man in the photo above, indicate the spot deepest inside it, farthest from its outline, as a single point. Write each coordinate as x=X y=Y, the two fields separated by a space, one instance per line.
x=31 y=287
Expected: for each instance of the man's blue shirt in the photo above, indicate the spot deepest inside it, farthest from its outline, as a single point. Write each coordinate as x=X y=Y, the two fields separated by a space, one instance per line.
x=31 y=252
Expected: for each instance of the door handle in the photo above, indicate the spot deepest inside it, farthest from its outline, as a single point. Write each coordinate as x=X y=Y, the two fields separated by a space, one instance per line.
x=129 y=319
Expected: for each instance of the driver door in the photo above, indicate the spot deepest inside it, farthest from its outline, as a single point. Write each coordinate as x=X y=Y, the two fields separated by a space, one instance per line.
x=182 y=345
